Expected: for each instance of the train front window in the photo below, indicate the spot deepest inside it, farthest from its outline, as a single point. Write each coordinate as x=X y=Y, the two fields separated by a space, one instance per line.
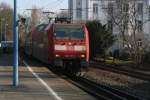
x=41 y=27
x=77 y=35
x=61 y=35
x=69 y=32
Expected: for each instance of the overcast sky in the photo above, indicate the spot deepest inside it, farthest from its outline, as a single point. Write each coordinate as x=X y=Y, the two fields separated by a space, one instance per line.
x=52 y=5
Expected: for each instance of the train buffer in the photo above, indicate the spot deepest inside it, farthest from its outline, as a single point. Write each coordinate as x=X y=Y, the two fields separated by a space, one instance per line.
x=36 y=82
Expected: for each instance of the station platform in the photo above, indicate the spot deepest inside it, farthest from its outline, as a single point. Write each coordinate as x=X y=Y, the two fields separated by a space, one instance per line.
x=35 y=83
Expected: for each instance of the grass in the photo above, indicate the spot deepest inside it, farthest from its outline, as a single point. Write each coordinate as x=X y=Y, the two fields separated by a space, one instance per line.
x=110 y=60
x=118 y=62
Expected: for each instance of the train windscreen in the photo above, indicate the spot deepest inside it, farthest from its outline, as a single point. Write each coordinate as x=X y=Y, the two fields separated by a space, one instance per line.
x=69 y=32
x=41 y=27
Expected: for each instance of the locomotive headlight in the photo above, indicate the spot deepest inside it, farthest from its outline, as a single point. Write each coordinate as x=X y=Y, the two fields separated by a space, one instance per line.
x=57 y=55
x=83 y=56
x=70 y=43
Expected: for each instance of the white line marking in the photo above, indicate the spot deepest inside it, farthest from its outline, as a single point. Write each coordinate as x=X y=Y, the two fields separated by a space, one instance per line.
x=50 y=90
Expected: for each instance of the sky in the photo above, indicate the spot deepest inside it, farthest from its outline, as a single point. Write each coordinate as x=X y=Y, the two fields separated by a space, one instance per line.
x=52 y=5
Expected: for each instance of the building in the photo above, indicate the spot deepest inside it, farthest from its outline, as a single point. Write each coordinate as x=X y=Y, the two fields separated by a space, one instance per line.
x=84 y=10
x=103 y=10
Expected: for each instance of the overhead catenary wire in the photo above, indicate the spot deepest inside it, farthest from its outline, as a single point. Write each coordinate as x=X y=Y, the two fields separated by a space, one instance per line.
x=51 y=3
x=59 y=2
x=56 y=4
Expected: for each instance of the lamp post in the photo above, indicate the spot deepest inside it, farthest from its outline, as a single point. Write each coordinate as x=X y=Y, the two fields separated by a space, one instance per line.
x=2 y=20
x=5 y=35
x=1 y=29
x=15 y=46
x=1 y=9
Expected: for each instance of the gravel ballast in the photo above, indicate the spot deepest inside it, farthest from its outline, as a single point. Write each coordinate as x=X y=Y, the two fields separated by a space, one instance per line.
x=125 y=83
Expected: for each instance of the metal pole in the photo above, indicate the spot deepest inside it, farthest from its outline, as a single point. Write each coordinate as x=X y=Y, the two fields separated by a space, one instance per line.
x=1 y=29
x=5 y=31
x=15 y=45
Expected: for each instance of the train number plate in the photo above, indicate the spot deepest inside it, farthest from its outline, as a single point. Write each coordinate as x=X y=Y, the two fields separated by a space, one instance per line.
x=70 y=47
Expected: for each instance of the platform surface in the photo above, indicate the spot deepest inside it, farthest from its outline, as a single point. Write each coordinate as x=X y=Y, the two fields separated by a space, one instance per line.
x=36 y=83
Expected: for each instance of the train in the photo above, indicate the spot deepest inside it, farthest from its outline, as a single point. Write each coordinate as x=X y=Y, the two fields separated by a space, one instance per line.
x=62 y=44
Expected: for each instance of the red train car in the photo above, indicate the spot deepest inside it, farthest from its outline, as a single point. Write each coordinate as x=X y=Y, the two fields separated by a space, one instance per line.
x=67 y=44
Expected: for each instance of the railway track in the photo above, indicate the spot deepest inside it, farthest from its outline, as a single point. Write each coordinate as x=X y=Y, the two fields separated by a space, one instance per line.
x=134 y=74
x=100 y=92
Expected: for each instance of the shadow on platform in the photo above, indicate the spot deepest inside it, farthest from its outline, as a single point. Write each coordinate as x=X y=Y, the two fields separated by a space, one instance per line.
x=6 y=60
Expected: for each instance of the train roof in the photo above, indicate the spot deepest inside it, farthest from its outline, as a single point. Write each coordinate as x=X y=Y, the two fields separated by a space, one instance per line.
x=68 y=25
x=47 y=26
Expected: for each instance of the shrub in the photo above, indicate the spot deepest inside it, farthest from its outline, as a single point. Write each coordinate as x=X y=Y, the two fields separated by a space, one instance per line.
x=147 y=57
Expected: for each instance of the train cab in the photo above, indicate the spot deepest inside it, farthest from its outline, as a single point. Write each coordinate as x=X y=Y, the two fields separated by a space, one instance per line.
x=71 y=44
x=69 y=41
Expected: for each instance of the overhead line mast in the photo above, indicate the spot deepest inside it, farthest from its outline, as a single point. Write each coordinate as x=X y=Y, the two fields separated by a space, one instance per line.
x=15 y=46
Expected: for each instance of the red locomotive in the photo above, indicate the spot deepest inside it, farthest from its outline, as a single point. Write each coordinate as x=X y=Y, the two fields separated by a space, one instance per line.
x=66 y=44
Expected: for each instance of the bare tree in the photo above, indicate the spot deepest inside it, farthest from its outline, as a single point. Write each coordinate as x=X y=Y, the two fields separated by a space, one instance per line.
x=35 y=16
x=6 y=20
x=127 y=16
x=22 y=31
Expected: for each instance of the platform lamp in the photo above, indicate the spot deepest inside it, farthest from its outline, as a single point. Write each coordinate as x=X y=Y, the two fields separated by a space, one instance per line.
x=1 y=9
x=5 y=36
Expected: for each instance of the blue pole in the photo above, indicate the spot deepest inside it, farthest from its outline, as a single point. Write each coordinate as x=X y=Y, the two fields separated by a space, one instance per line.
x=15 y=46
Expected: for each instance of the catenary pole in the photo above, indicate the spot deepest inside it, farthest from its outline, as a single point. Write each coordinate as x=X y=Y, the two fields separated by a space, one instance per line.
x=5 y=31
x=15 y=46
x=2 y=20
x=1 y=29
